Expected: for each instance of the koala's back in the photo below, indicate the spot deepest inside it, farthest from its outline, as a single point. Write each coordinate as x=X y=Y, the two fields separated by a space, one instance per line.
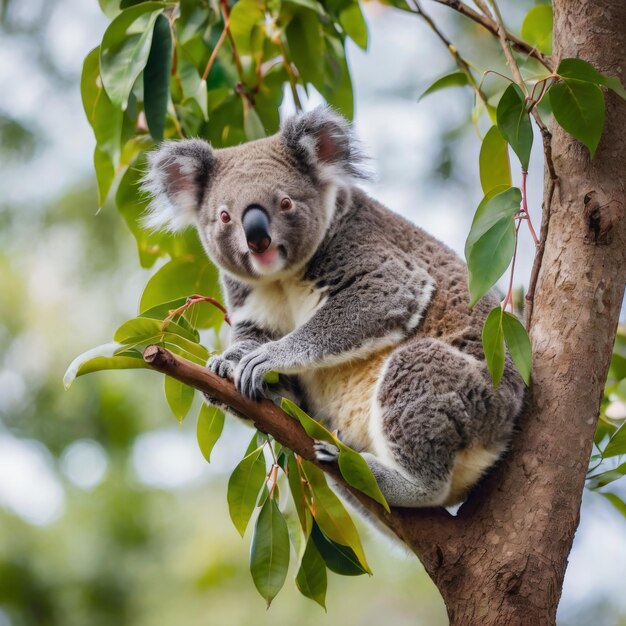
x=443 y=356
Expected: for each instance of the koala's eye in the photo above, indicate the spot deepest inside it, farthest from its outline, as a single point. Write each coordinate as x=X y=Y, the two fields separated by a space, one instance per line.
x=285 y=204
x=225 y=217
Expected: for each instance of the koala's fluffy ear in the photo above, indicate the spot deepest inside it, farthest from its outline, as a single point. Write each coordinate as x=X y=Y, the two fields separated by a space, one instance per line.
x=177 y=178
x=323 y=141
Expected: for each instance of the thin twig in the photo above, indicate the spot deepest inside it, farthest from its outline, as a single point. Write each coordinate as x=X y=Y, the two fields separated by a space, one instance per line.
x=462 y=64
x=543 y=236
x=503 y=36
x=218 y=45
x=231 y=39
x=492 y=27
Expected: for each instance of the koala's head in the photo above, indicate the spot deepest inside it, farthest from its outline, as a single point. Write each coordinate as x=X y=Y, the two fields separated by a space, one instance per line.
x=261 y=208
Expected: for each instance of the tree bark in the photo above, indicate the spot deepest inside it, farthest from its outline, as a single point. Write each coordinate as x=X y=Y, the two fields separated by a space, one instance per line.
x=509 y=564
x=502 y=560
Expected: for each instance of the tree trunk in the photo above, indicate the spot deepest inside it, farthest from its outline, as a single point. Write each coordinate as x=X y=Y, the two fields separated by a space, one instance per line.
x=507 y=567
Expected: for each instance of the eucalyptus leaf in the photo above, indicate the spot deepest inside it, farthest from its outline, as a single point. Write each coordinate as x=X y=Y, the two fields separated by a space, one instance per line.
x=269 y=553
x=616 y=501
x=455 y=79
x=125 y=48
x=581 y=70
x=338 y=558
x=537 y=28
x=209 y=428
x=244 y=486
x=156 y=80
x=353 y=23
x=179 y=397
x=181 y=278
x=104 y=118
x=493 y=344
x=312 y=579
x=306 y=45
x=491 y=240
x=518 y=343
x=100 y=358
x=514 y=123
x=578 y=107
x=358 y=474
x=297 y=487
x=602 y=479
x=331 y=515
x=494 y=163
x=617 y=443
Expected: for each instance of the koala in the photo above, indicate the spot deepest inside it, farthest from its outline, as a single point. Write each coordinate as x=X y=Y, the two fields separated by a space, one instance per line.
x=367 y=310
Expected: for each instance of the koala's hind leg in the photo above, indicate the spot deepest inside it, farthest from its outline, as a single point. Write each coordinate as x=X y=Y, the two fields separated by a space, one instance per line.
x=421 y=418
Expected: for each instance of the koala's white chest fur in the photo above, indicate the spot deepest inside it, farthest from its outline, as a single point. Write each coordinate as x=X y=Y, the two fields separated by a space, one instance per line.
x=281 y=306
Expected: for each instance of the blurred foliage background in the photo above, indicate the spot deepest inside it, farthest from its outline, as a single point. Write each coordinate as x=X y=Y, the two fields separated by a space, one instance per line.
x=108 y=512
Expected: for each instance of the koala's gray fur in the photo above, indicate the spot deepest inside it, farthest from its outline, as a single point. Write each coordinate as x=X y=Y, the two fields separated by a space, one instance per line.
x=368 y=310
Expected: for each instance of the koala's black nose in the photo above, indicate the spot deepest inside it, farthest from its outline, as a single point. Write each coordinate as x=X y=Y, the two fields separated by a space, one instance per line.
x=256 y=226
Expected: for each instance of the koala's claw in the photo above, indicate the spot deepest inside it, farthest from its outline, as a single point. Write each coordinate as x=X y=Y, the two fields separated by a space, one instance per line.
x=250 y=374
x=326 y=452
x=221 y=366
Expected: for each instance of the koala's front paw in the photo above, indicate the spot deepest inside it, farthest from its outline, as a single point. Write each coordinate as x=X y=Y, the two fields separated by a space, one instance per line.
x=223 y=367
x=326 y=452
x=251 y=371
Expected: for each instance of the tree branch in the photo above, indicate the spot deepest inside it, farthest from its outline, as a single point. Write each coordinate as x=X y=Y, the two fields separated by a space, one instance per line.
x=426 y=531
x=519 y=44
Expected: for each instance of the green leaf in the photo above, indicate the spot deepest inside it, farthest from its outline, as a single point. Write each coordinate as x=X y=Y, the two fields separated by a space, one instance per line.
x=244 y=17
x=141 y=332
x=296 y=487
x=209 y=429
x=604 y=478
x=578 y=107
x=145 y=327
x=616 y=501
x=339 y=559
x=102 y=358
x=110 y=7
x=179 y=397
x=514 y=123
x=617 y=443
x=156 y=78
x=353 y=23
x=331 y=515
x=244 y=486
x=352 y=465
x=306 y=45
x=181 y=278
x=313 y=428
x=104 y=118
x=358 y=474
x=494 y=163
x=269 y=552
x=491 y=240
x=493 y=344
x=125 y=48
x=311 y=579
x=105 y=173
x=455 y=79
x=581 y=70
x=537 y=28
x=252 y=124
x=518 y=343
x=336 y=86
